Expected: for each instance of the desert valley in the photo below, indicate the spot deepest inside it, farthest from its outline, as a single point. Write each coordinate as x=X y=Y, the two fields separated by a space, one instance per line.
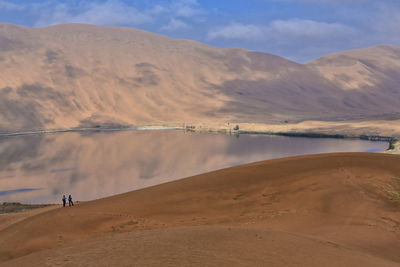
x=178 y=153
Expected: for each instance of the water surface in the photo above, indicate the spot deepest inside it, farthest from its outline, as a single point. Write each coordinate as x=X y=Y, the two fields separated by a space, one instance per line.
x=39 y=169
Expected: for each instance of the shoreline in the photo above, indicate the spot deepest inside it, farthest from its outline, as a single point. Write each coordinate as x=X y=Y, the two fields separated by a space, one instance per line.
x=393 y=142
x=91 y=129
x=394 y=147
x=17 y=207
x=238 y=129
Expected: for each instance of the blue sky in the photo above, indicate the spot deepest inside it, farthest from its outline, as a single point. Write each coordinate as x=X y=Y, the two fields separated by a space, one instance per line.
x=300 y=30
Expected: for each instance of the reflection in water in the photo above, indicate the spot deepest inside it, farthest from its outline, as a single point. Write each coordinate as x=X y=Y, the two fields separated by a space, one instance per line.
x=9 y=192
x=91 y=166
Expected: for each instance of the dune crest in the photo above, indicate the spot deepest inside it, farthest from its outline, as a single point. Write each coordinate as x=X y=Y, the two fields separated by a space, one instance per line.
x=78 y=75
x=340 y=205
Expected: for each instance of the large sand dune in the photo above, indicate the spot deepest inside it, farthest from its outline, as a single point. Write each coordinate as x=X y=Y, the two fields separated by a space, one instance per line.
x=83 y=75
x=321 y=210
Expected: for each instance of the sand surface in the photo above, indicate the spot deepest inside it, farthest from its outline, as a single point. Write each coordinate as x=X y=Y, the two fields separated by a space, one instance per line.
x=320 y=210
x=77 y=75
x=7 y=219
x=349 y=128
x=203 y=246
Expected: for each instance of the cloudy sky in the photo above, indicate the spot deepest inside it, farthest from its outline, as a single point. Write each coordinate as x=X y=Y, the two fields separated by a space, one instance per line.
x=300 y=30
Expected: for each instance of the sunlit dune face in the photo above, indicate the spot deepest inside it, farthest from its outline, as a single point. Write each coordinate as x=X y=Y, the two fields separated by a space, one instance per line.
x=83 y=75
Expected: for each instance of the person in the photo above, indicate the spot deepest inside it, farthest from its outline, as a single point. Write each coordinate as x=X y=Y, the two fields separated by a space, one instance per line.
x=70 y=202
x=64 y=200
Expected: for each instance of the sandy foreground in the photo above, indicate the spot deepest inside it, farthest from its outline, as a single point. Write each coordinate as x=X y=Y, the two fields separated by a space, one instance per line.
x=338 y=209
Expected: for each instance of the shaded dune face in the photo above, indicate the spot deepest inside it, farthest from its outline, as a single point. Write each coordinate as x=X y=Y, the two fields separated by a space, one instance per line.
x=81 y=75
x=346 y=199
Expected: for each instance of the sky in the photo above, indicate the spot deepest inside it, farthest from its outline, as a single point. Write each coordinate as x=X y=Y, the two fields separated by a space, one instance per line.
x=300 y=30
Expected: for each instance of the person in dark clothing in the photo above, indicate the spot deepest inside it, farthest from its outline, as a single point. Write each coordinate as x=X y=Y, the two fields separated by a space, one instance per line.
x=70 y=202
x=64 y=200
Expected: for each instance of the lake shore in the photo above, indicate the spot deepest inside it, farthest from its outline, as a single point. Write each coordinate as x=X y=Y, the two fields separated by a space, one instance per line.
x=381 y=130
x=13 y=207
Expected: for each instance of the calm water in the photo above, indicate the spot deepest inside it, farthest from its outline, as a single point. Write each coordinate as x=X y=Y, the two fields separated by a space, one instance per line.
x=39 y=169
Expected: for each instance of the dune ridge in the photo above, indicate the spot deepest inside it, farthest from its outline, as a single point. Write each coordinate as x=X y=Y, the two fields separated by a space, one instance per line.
x=77 y=75
x=318 y=210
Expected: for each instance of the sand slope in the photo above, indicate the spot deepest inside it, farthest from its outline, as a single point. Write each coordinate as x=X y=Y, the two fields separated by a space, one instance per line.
x=203 y=246
x=344 y=207
x=83 y=75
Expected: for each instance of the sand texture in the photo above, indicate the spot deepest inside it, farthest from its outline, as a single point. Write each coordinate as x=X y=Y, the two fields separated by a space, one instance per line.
x=319 y=210
x=78 y=75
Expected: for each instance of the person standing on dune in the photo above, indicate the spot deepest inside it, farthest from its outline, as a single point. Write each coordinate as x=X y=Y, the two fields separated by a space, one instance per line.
x=64 y=200
x=70 y=202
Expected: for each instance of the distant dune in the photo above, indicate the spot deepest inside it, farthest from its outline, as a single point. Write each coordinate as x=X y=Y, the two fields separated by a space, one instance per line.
x=83 y=75
x=321 y=210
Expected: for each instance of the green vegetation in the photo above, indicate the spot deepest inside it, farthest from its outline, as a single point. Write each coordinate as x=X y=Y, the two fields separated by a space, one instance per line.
x=12 y=207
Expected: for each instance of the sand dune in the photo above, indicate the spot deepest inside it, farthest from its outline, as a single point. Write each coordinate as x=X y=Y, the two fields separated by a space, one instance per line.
x=203 y=246
x=83 y=75
x=321 y=210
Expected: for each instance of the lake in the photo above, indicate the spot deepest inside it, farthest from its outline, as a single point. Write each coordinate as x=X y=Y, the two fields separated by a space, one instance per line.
x=41 y=168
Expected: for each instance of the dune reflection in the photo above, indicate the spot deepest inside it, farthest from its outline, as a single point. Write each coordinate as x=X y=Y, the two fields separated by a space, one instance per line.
x=95 y=165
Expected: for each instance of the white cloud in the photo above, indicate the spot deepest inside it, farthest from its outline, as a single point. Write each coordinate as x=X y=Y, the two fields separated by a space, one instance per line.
x=297 y=28
x=238 y=31
x=282 y=31
x=5 y=5
x=117 y=12
x=111 y=12
x=157 y=9
x=357 y=23
x=186 y=8
x=294 y=38
x=174 y=25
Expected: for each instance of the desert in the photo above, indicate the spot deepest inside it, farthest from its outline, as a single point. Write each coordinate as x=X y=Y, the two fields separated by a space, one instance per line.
x=318 y=210
x=136 y=84
x=199 y=133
